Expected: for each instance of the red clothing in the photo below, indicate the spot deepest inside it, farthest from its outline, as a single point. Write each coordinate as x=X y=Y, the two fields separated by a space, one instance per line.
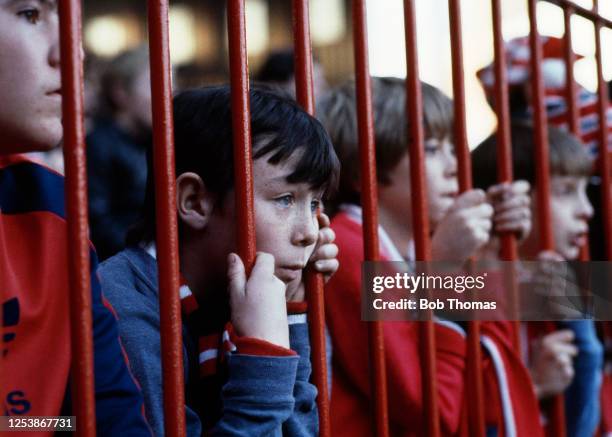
x=350 y=394
x=350 y=405
x=36 y=353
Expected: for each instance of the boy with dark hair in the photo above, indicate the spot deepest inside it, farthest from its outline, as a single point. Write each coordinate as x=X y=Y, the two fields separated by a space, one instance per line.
x=247 y=363
x=461 y=226
x=570 y=167
x=33 y=233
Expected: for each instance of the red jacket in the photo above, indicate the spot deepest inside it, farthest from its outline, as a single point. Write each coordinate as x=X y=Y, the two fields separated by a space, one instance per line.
x=350 y=393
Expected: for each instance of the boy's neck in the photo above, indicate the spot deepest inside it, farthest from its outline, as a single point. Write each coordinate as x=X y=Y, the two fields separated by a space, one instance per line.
x=400 y=231
x=205 y=285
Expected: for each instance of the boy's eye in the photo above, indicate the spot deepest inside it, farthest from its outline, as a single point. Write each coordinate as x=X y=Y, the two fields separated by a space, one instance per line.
x=286 y=200
x=432 y=147
x=567 y=189
x=315 y=205
x=32 y=15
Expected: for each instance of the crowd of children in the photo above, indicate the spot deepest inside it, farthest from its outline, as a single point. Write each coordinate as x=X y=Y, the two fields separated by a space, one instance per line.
x=246 y=346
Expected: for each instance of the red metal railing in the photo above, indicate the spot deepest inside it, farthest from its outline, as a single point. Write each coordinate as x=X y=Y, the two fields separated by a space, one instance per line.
x=167 y=231
x=420 y=220
x=369 y=203
x=604 y=155
x=167 y=237
x=241 y=124
x=304 y=87
x=542 y=173
x=474 y=384
x=81 y=337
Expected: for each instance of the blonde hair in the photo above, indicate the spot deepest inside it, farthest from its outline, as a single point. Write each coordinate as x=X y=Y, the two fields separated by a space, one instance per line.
x=567 y=155
x=338 y=113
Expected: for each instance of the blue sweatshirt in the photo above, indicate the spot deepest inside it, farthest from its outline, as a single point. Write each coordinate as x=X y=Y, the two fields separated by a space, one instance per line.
x=256 y=395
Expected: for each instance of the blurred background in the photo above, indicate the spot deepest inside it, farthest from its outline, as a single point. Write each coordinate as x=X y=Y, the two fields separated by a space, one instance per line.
x=199 y=43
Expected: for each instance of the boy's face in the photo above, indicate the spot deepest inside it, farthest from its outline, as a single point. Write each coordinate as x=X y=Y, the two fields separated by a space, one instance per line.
x=571 y=211
x=441 y=172
x=30 y=82
x=285 y=216
x=441 y=179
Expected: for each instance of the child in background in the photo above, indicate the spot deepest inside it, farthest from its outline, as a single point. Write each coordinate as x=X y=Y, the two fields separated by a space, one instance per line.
x=36 y=352
x=570 y=167
x=247 y=362
x=461 y=226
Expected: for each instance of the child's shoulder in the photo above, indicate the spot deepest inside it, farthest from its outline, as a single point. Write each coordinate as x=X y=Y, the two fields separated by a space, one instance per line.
x=27 y=186
x=129 y=279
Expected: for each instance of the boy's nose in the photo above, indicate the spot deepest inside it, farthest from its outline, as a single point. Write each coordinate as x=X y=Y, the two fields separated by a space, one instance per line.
x=451 y=163
x=54 y=47
x=585 y=209
x=305 y=232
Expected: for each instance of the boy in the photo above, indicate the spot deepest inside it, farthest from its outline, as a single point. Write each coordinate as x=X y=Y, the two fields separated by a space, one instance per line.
x=250 y=376
x=570 y=167
x=117 y=150
x=461 y=227
x=33 y=234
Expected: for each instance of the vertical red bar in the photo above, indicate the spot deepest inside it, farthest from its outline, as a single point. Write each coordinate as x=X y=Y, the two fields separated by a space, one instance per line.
x=241 y=125
x=420 y=220
x=541 y=133
x=473 y=364
x=304 y=82
x=571 y=91
x=314 y=281
x=570 y=83
x=504 y=154
x=369 y=203
x=76 y=207
x=165 y=209
x=542 y=173
x=604 y=154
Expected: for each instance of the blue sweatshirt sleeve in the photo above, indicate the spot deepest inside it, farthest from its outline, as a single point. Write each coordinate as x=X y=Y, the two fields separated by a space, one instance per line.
x=119 y=402
x=139 y=330
x=258 y=396
x=305 y=419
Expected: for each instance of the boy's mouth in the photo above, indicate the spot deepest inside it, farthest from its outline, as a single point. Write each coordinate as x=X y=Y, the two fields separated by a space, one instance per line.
x=289 y=273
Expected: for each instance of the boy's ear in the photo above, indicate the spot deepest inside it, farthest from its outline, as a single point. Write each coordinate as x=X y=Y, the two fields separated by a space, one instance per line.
x=194 y=202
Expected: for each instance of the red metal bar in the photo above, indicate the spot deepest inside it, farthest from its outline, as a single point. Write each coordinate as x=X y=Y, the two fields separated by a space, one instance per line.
x=473 y=363
x=570 y=83
x=369 y=203
x=304 y=82
x=81 y=336
x=589 y=14
x=542 y=174
x=571 y=90
x=504 y=155
x=243 y=160
x=165 y=210
x=420 y=220
x=604 y=154
x=304 y=88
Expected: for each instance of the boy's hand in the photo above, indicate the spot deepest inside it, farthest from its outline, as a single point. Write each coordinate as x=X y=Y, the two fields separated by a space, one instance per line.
x=323 y=259
x=552 y=369
x=258 y=304
x=550 y=281
x=324 y=256
x=464 y=229
x=511 y=203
